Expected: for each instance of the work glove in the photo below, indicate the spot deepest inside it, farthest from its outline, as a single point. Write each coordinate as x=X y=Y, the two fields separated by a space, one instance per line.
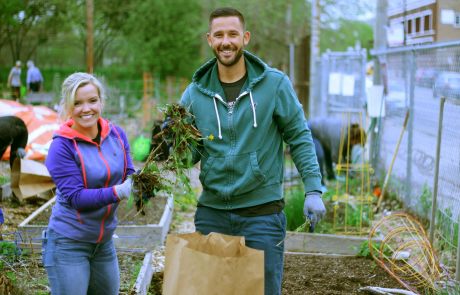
x=124 y=190
x=313 y=207
x=21 y=153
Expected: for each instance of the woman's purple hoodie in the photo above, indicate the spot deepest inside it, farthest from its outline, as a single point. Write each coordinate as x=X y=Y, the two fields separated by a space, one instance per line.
x=85 y=174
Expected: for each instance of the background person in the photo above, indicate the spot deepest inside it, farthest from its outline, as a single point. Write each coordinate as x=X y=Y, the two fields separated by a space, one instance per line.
x=327 y=135
x=2 y=220
x=34 y=77
x=14 y=134
x=89 y=161
x=250 y=109
x=14 y=81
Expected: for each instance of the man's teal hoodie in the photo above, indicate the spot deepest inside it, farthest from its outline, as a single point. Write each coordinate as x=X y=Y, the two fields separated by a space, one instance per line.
x=242 y=159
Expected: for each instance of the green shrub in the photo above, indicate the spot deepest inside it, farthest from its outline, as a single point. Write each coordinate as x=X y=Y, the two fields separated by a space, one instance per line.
x=294 y=199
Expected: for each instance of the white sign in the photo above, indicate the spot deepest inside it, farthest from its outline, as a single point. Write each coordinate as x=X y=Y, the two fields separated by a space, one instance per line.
x=395 y=35
x=348 y=85
x=335 y=83
x=447 y=17
x=375 y=101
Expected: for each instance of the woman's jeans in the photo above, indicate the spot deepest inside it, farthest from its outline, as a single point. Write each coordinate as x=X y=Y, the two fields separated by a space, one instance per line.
x=76 y=267
x=266 y=232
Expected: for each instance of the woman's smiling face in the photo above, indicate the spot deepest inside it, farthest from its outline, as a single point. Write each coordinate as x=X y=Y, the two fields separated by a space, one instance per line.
x=86 y=110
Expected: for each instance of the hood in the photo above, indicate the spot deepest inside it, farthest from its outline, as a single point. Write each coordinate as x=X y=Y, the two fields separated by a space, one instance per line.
x=66 y=131
x=206 y=78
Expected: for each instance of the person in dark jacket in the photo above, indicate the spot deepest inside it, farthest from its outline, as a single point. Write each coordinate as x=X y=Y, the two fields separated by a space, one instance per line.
x=89 y=161
x=334 y=142
x=249 y=109
x=2 y=220
x=13 y=133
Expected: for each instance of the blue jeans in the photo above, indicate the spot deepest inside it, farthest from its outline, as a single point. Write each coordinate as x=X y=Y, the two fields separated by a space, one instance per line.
x=266 y=232
x=76 y=267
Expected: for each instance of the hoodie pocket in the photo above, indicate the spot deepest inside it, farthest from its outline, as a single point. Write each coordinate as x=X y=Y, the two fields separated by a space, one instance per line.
x=232 y=175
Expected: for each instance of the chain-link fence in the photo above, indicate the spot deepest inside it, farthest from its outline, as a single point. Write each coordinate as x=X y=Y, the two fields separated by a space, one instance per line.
x=415 y=78
x=340 y=84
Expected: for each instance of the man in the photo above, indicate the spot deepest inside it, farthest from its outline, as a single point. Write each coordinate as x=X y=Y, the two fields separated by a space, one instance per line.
x=249 y=109
x=14 y=132
x=34 y=77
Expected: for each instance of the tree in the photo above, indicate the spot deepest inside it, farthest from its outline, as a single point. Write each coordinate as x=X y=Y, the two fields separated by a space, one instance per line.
x=25 y=25
x=346 y=35
x=165 y=38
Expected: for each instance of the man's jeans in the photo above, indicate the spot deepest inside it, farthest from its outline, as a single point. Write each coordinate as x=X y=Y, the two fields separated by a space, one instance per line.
x=76 y=267
x=266 y=232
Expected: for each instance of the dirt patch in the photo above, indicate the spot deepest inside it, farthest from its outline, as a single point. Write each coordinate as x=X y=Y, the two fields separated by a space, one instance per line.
x=321 y=275
x=316 y=275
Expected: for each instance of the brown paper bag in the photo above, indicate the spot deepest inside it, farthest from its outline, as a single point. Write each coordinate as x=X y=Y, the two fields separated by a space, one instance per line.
x=30 y=178
x=212 y=264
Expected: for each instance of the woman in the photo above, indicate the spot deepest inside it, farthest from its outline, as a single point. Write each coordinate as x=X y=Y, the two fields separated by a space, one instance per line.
x=327 y=137
x=89 y=161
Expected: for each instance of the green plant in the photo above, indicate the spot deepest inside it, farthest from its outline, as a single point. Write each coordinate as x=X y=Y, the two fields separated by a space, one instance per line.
x=4 y=179
x=294 y=199
x=426 y=199
x=365 y=249
x=9 y=253
x=170 y=175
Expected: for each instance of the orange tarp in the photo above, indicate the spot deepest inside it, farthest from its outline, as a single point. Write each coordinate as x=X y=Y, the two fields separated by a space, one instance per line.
x=41 y=123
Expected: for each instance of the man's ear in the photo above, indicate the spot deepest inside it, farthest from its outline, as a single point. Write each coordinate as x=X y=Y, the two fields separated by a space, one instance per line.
x=246 y=38
x=208 y=38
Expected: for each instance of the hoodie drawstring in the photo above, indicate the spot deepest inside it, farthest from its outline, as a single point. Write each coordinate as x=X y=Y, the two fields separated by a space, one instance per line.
x=253 y=109
x=218 y=118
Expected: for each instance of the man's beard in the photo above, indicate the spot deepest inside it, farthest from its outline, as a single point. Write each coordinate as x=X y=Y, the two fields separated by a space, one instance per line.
x=229 y=63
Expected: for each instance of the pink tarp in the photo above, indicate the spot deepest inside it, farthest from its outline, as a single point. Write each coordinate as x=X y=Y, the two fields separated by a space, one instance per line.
x=41 y=123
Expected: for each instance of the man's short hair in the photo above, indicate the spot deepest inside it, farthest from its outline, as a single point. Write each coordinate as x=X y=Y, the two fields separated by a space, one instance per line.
x=226 y=11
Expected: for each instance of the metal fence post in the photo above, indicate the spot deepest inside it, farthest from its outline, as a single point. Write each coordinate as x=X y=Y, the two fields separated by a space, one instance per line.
x=410 y=130
x=436 y=178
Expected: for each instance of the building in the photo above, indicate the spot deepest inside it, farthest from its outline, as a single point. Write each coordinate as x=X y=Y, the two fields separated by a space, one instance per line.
x=413 y=22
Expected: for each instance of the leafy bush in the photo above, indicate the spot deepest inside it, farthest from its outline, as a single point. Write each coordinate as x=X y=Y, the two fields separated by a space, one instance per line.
x=294 y=199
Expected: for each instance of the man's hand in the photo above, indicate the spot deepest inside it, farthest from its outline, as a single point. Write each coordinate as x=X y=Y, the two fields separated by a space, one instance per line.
x=21 y=153
x=313 y=207
x=124 y=190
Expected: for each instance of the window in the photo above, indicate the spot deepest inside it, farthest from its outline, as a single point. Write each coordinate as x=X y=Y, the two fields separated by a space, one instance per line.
x=427 y=23
x=417 y=25
x=457 y=20
x=409 y=26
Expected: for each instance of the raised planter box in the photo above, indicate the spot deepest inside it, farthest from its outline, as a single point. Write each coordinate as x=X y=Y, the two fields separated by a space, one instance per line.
x=134 y=231
x=323 y=243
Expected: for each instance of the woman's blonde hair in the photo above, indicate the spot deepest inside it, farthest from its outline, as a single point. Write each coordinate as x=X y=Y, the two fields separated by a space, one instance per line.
x=70 y=87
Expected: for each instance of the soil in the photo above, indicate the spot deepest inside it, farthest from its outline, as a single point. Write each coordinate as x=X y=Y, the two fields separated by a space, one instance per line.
x=308 y=273
x=322 y=275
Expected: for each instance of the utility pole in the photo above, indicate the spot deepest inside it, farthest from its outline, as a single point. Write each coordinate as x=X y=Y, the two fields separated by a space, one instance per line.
x=380 y=43
x=89 y=35
x=314 y=52
x=380 y=37
x=291 y=43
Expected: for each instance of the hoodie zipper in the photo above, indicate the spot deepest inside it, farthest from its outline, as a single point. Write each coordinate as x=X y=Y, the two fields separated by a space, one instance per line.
x=231 y=106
